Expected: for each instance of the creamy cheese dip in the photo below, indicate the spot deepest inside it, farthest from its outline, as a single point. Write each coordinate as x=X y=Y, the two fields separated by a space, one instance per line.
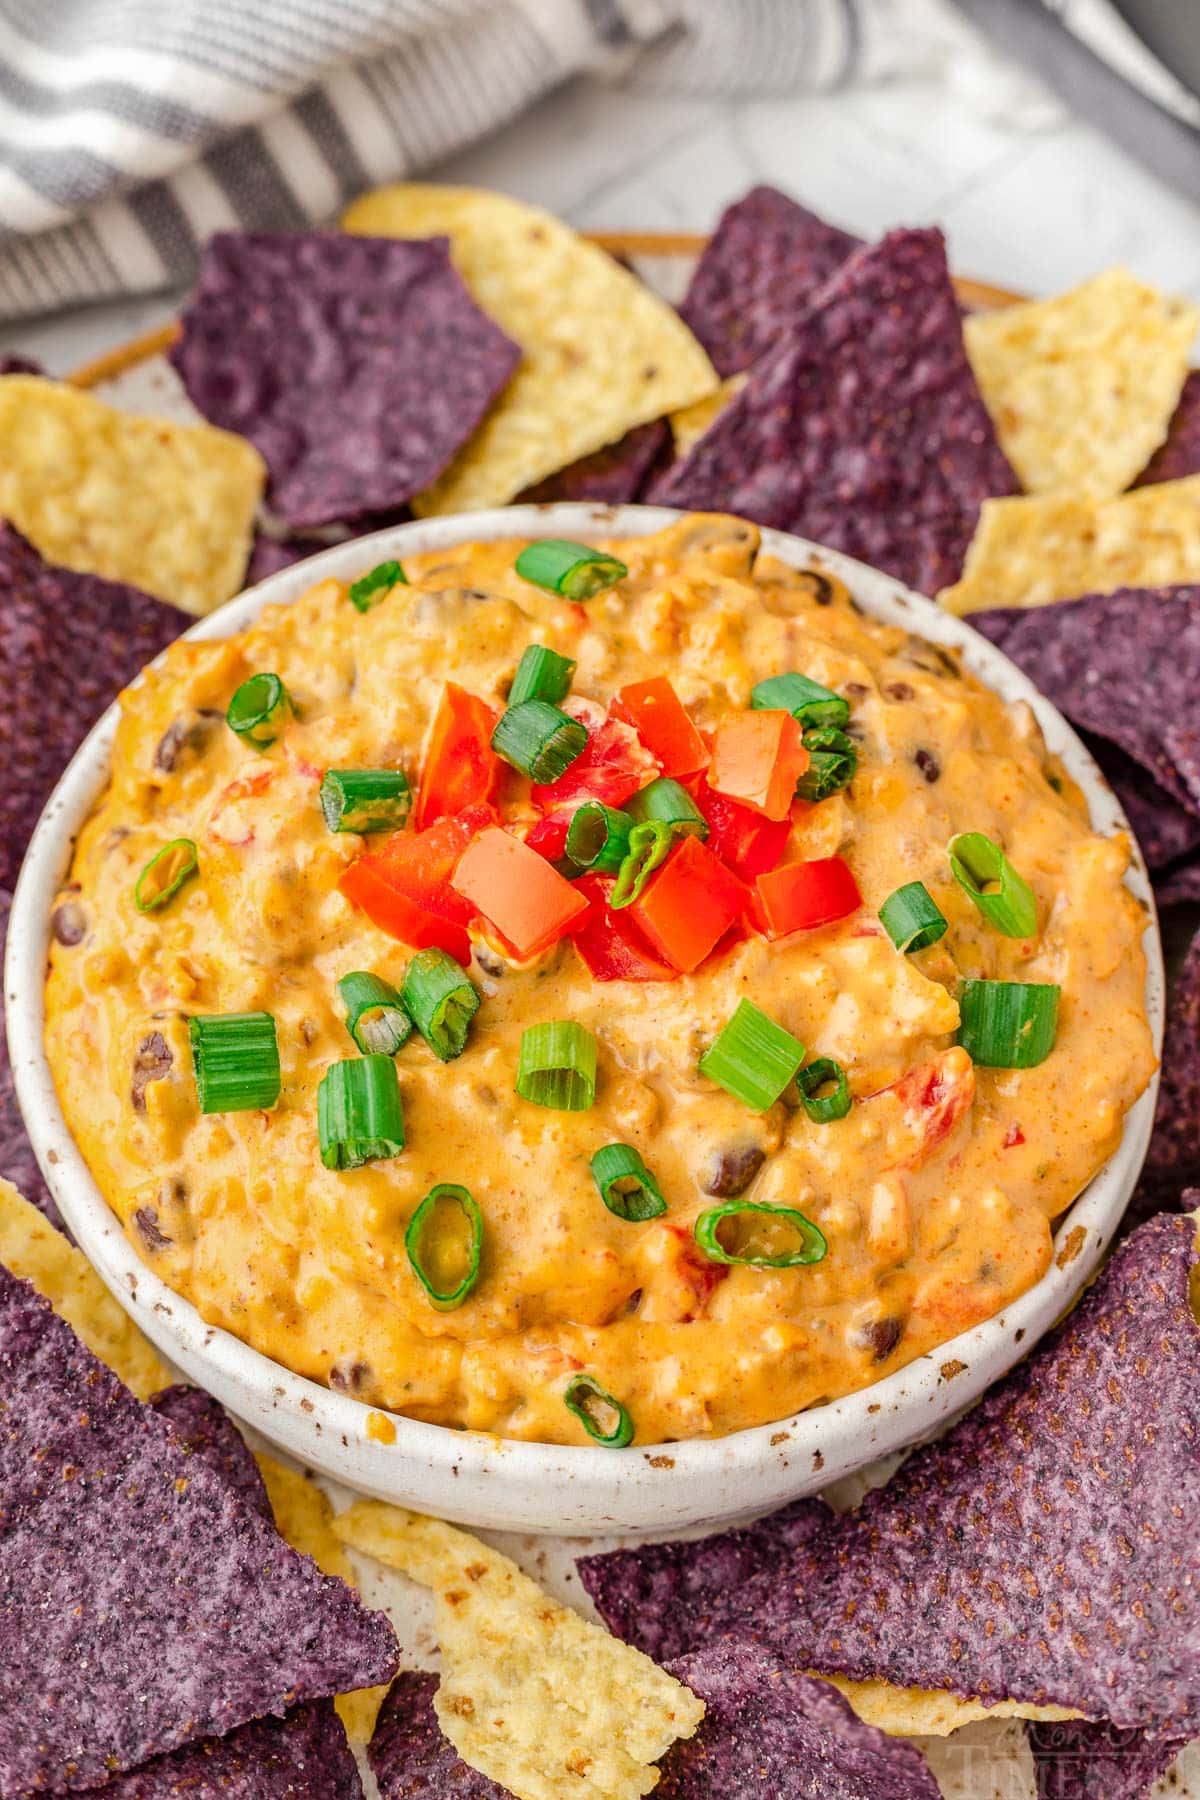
x=935 y=1194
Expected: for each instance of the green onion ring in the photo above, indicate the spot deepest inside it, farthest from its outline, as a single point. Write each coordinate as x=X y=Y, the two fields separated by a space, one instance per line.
x=977 y=865
x=557 y=1066
x=259 y=710
x=811 y=1249
x=365 y=800
x=375 y=586
x=807 y=701
x=752 y=1057
x=235 y=1057
x=585 y=1398
x=669 y=803
x=423 y=1223
x=1008 y=1024
x=441 y=1000
x=598 y=838
x=165 y=874
x=911 y=918
x=539 y=740
x=626 y=1185
x=541 y=675
x=375 y=1015
x=650 y=844
x=575 y=570
x=822 y=1109
x=360 y=1118
x=833 y=763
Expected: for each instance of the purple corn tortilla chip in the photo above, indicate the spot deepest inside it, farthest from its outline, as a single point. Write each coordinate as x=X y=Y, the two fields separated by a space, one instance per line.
x=1082 y=1759
x=612 y=476
x=269 y=554
x=1165 y=830
x=1045 y=1548
x=769 y=1732
x=1179 y=886
x=409 y=1756
x=358 y=366
x=20 y=365
x=1124 y=665
x=762 y=267
x=68 y=644
x=863 y=427
x=303 y=1756
x=17 y=1161
x=206 y=1430
x=1173 y=1159
x=1179 y=454
x=142 y=1604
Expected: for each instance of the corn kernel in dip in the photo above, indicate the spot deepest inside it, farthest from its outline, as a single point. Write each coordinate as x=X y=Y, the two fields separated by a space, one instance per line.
x=688 y=1162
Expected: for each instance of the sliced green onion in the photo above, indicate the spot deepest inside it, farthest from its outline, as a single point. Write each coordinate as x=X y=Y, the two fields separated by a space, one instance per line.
x=445 y=1265
x=604 y=1419
x=1005 y=898
x=821 y=1108
x=650 y=844
x=538 y=739
x=236 y=1061
x=752 y=1057
x=806 y=700
x=1008 y=1024
x=626 y=1185
x=755 y=1244
x=259 y=710
x=541 y=675
x=833 y=763
x=441 y=1000
x=911 y=918
x=669 y=802
x=576 y=570
x=598 y=838
x=370 y=589
x=557 y=1066
x=375 y=1016
x=365 y=800
x=165 y=874
x=359 y=1115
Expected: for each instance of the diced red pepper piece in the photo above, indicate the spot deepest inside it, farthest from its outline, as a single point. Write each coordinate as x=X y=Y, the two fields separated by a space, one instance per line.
x=611 y=944
x=757 y=758
x=687 y=908
x=461 y=769
x=530 y=904
x=613 y=764
x=660 y=719
x=420 y=863
x=549 y=837
x=742 y=838
x=367 y=887
x=801 y=895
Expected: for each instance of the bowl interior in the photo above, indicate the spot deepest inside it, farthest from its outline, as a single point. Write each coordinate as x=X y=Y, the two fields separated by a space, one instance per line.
x=467 y=1476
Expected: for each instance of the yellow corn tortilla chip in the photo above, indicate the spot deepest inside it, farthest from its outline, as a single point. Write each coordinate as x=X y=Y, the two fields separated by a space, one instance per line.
x=168 y=508
x=601 y=352
x=35 y=1251
x=531 y=1694
x=1082 y=387
x=928 y=1712
x=304 y=1518
x=689 y=423
x=1027 y=552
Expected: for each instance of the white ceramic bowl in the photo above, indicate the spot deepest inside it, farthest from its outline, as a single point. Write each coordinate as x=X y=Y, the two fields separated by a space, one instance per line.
x=534 y=1487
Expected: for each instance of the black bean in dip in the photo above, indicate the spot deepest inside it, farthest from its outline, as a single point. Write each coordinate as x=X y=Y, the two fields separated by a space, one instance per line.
x=730 y=1170
x=152 y=1063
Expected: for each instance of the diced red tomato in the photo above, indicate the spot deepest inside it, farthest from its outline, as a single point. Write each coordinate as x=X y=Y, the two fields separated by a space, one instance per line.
x=687 y=908
x=530 y=904
x=749 y=844
x=549 y=837
x=461 y=769
x=800 y=896
x=611 y=944
x=660 y=719
x=613 y=764
x=932 y=1098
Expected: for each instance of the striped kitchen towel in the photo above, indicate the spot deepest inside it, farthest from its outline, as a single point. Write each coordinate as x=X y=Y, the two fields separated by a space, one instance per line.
x=132 y=129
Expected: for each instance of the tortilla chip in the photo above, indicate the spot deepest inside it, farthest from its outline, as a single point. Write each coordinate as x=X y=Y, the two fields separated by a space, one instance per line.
x=894 y=474
x=690 y=423
x=531 y=1694
x=1179 y=886
x=764 y=264
x=1164 y=829
x=1029 y=551
x=601 y=352
x=770 y=1731
x=163 y=507
x=612 y=476
x=145 y=1604
x=304 y=1517
x=34 y=1250
x=1083 y=387
x=18 y=1164
x=303 y=1756
x=1093 y=1761
x=1173 y=1158
x=1179 y=455
x=206 y=1430
x=357 y=366
x=411 y=1757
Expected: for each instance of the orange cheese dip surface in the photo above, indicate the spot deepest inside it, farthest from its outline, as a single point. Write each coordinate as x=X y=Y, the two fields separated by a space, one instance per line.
x=935 y=1194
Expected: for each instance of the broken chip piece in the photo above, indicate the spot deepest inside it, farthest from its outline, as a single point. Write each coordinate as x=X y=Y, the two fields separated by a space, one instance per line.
x=411 y=1757
x=302 y=1756
x=1085 y=1759
x=611 y=476
x=1179 y=455
x=330 y=354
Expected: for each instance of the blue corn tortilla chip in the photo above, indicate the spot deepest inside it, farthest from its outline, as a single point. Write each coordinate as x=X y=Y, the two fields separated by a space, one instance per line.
x=206 y=1430
x=143 y=1605
x=863 y=427
x=1179 y=454
x=1124 y=666
x=1178 y=886
x=20 y=365
x=769 y=1732
x=1173 y=1159
x=409 y=1756
x=303 y=1756
x=1165 y=830
x=357 y=366
x=762 y=267
x=1043 y=1550
x=1082 y=1759
x=612 y=476
x=270 y=554
x=17 y=1161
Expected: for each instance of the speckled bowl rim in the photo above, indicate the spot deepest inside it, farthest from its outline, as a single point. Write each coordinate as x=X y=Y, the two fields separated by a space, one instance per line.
x=470 y=1476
